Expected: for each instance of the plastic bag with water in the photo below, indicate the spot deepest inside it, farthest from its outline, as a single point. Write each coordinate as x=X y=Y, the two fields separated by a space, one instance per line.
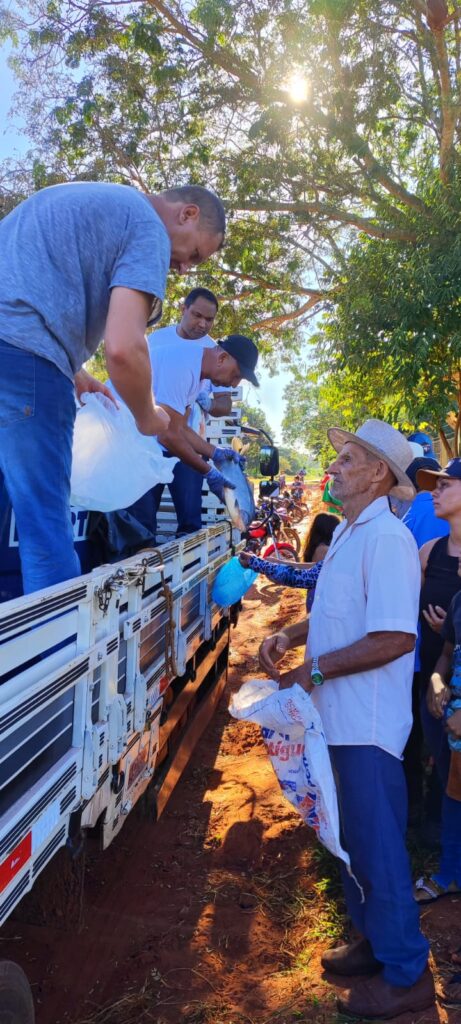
x=231 y=583
x=112 y=463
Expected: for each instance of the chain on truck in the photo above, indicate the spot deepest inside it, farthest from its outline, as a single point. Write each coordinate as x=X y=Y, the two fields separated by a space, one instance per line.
x=107 y=682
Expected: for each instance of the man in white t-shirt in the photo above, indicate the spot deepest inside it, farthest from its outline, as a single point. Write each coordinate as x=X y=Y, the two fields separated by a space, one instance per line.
x=179 y=369
x=358 y=670
x=198 y=316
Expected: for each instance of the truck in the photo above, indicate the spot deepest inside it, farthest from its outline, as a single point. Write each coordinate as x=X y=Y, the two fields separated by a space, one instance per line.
x=107 y=682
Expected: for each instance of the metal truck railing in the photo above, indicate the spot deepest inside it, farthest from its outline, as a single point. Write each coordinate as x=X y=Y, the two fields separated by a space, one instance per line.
x=96 y=674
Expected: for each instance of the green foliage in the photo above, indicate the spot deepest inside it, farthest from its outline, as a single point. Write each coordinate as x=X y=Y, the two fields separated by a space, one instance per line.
x=344 y=204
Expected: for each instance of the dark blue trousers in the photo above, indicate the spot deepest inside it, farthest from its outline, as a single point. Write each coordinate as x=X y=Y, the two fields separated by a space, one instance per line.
x=372 y=800
x=437 y=741
x=186 y=491
x=37 y=413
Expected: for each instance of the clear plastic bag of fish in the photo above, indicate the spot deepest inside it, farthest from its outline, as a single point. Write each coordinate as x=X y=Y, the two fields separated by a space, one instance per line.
x=240 y=502
x=231 y=582
x=292 y=731
x=112 y=463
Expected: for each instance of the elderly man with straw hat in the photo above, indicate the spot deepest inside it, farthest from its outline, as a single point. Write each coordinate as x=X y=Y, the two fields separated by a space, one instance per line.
x=358 y=669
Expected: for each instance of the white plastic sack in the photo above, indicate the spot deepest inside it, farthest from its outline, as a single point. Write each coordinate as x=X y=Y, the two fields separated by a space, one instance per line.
x=293 y=734
x=112 y=463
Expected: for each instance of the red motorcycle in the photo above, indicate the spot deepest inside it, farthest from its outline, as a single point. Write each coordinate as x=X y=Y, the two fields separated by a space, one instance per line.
x=263 y=538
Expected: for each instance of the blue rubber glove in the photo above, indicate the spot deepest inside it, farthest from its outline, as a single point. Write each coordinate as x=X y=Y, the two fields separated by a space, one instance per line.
x=242 y=462
x=223 y=453
x=217 y=482
x=205 y=400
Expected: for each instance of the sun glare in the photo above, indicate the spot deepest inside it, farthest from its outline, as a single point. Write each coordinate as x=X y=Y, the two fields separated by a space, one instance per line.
x=298 y=88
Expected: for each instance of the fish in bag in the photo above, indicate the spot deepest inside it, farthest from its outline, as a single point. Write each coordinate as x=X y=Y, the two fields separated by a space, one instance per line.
x=112 y=463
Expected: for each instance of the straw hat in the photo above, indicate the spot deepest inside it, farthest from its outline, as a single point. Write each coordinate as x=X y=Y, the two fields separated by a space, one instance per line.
x=386 y=443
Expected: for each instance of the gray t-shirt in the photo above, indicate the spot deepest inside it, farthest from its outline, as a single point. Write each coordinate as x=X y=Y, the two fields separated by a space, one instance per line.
x=61 y=252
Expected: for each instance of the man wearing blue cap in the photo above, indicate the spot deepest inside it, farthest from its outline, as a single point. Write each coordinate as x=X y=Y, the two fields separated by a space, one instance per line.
x=419 y=437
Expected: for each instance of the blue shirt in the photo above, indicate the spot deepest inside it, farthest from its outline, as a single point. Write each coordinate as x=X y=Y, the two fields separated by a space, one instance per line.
x=61 y=252
x=422 y=521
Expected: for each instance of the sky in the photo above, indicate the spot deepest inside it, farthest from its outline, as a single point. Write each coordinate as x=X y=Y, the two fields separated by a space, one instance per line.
x=13 y=143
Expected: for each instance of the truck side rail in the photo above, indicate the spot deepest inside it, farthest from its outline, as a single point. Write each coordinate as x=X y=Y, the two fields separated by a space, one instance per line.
x=95 y=674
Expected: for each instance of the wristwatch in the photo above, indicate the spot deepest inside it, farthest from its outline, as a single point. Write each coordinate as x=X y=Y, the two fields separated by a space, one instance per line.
x=316 y=674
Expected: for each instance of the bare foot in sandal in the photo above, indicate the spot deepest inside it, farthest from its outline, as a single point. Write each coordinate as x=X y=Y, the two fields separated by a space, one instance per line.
x=426 y=890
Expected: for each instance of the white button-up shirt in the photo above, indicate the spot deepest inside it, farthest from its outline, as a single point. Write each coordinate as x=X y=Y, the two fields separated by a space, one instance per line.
x=370 y=582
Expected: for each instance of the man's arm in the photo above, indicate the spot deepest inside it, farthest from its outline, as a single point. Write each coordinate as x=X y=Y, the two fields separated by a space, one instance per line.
x=127 y=357
x=372 y=651
x=185 y=443
x=199 y=444
x=221 y=405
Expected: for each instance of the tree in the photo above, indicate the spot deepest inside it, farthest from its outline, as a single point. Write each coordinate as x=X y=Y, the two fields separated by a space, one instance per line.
x=331 y=128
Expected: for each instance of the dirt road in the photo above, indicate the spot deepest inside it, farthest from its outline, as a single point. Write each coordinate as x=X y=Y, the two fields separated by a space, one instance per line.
x=219 y=913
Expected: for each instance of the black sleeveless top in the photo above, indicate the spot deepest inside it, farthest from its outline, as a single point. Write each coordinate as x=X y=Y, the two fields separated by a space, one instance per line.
x=442 y=581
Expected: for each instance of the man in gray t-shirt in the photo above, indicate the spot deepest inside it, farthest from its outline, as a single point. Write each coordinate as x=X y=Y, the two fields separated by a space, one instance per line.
x=79 y=263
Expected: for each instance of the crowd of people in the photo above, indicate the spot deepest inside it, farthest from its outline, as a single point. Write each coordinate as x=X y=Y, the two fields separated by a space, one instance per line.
x=88 y=262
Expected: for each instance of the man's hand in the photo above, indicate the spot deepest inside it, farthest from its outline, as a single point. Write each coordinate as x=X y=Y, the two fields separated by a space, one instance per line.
x=301 y=675
x=272 y=649
x=223 y=453
x=244 y=558
x=438 y=695
x=453 y=726
x=435 y=616
x=156 y=422
x=83 y=382
x=217 y=482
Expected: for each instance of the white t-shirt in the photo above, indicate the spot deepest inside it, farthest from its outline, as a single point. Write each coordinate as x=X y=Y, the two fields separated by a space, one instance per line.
x=174 y=387
x=165 y=335
x=370 y=582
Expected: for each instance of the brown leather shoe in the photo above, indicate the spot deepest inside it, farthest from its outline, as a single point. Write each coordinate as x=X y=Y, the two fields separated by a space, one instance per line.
x=375 y=998
x=355 y=958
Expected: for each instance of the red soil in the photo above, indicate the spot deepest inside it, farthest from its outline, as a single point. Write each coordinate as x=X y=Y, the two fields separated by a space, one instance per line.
x=217 y=914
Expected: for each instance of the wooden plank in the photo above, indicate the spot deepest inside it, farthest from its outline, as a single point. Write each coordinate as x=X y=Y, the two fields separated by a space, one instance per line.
x=179 y=706
x=189 y=740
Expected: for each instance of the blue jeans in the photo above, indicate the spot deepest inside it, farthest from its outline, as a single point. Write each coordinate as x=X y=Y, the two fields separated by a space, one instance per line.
x=372 y=800
x=186 y=491
x=37 y=413
x=450 y=859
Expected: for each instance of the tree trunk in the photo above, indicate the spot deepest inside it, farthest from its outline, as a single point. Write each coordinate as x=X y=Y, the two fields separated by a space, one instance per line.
x=445 y=442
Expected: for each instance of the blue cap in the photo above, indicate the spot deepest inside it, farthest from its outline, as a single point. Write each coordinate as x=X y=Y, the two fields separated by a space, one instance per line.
x=424 y=440
x=427 y=478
